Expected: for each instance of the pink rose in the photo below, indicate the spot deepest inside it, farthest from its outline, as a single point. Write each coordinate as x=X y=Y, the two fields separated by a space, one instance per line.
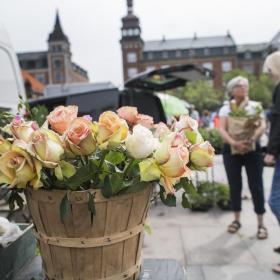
x=145 y=120
x=61 y=117
x=128 y=113
x=80 y=137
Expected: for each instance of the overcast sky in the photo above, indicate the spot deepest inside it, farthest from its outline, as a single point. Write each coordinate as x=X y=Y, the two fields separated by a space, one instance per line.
x=93 y=26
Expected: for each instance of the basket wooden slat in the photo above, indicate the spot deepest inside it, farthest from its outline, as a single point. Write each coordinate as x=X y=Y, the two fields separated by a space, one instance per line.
x=106 y=246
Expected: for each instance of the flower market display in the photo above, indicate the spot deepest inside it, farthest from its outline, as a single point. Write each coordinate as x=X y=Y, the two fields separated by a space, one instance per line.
x=88 y=183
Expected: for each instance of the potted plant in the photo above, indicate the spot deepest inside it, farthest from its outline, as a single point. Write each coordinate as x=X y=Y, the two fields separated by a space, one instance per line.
x=223 y=196
x=88 y=184
x=204 y=198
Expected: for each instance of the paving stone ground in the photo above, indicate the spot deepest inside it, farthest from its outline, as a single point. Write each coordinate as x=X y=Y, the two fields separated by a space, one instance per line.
x=200 y=242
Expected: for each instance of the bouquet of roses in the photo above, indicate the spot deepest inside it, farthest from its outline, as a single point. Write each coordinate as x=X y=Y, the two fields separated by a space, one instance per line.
x=120 y=153
x=241 y=124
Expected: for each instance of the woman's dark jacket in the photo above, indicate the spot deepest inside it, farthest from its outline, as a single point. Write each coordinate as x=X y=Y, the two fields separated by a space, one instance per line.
x=274 y=136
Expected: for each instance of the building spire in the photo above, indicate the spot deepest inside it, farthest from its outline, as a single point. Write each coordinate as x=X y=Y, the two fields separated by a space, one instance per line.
x=57 y=33
x=130 y=7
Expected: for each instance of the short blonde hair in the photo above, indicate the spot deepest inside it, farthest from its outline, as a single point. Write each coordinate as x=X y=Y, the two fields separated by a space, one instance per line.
x=272 y=64
x=235 y=82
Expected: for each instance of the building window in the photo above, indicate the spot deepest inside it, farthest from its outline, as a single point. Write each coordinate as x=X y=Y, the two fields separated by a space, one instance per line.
x=165 y=54
x=178 y=53
x=248 y=55
x=226 y=50
x=192 y=52
x=226 y=66
x=131 y=72
x=57 y=63
x=130 y=32
x=40 y=78
x=150 y=56
x=206 y=51
x=58 y=76
x=248 y=68
x=208 y=65
x=31 y=64
x=136 y=32
x=131 y=57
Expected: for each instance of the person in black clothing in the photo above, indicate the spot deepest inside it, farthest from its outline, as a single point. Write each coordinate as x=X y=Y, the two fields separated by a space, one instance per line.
x=251 y=159
x=272 y=67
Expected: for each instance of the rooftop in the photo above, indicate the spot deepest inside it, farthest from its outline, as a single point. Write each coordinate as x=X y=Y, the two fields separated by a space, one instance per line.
x=32 y=55
x=36 y=86
x=189 y=43
x=76 y=88
x=57 y=34
x=252 y=47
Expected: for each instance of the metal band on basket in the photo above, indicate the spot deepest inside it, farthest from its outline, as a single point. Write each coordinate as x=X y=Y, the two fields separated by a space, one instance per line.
x=89 y=242
x=121 y=276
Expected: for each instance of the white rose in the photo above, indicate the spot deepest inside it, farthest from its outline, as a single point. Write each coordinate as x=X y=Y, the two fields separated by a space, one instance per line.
x=141 y=143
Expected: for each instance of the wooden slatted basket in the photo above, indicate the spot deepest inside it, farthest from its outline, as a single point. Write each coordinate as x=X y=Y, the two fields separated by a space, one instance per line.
x=106 y=246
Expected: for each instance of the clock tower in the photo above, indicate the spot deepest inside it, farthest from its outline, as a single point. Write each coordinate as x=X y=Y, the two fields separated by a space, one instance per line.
x=131 y=43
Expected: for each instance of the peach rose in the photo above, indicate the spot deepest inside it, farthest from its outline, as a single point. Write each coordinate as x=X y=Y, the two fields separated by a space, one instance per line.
x=171 y=159
x=128 y=113
x=111 y=130
x=80 y=137
x=61 y=117
x=145 y=120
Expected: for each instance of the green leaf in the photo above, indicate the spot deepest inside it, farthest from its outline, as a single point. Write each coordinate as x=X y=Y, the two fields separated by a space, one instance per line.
x=91 y=204
x=167 y=199
x=107 y=188
x=115 y=157
x=15 y=199
x=116 y=182
x=191 y=136
x=133 y=170
x=185 y=201
x=188 y=186
x=68 y=170
x=148 y=229
x=82 y=175
x=64 y=208
x=58 y=173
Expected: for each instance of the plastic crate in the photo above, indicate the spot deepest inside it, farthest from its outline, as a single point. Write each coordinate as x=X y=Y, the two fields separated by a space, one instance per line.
x=18 y=253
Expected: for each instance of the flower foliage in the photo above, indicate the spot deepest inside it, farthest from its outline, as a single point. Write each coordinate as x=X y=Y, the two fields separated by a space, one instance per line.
x=120 y=153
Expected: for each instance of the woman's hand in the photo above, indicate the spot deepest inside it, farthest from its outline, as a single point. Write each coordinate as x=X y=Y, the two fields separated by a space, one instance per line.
x=242 y=147
x=269 y=159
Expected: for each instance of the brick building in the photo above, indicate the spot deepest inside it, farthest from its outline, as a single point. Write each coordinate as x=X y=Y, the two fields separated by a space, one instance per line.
x=53 y=66
x=218 y=53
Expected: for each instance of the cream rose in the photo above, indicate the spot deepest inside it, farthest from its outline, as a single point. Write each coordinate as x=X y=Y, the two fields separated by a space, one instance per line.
x=202 y=155
x=21 y=129
x=18 y=169
x=141 y=143
x=47 y=147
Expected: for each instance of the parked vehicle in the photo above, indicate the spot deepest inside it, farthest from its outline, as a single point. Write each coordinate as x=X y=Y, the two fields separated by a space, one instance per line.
x=11 y=83
x=140 y=91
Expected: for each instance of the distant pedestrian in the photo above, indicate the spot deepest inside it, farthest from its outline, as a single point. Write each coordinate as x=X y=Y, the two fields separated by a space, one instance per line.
x=238 y=153
x=193 y=113
x=205 y=119
x=272 y=67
